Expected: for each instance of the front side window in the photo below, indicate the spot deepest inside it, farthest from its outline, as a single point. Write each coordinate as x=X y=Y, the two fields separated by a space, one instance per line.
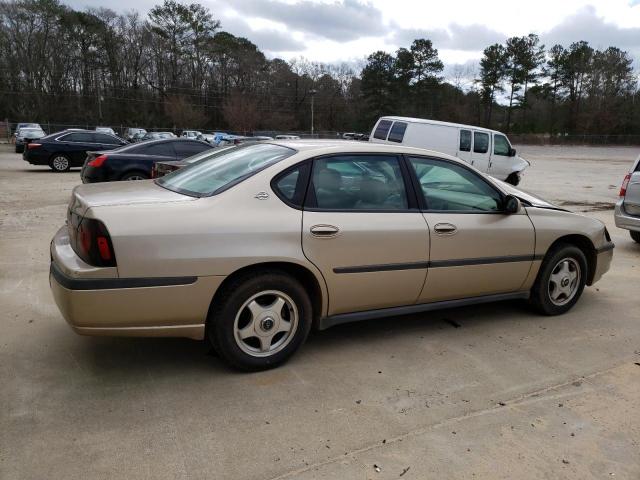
x=358 y=182
x=397 y=132
x=480 y=142
x=224 y=169
x=465 y=140
x=382 y=129
x=501 y=145
x=106 y=139
x=450 y=187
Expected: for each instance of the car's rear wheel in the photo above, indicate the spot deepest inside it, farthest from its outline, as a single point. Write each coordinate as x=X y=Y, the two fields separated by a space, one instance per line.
x=60 y=163
x=259 y=321
x=135 y=176
x=635 y=235
x=560 y=281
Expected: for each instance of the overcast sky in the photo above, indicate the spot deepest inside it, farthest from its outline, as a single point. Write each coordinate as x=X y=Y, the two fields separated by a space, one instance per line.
x=348 y=30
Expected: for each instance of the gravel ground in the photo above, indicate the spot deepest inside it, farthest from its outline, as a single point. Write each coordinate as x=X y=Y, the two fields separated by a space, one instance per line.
x=488 y=392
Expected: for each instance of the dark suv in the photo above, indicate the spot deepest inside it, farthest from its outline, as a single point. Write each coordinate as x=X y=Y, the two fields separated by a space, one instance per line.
x=66 y=149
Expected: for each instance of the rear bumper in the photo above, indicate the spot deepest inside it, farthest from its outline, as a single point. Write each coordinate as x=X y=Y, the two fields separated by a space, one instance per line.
x=623 y=219
x=95 y=301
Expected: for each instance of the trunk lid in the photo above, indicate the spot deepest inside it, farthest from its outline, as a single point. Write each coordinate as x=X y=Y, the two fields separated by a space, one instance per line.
x=138 y=192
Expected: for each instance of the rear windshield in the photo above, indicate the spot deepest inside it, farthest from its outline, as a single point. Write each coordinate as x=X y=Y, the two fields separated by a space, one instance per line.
x=382 y=129
x=224 y=169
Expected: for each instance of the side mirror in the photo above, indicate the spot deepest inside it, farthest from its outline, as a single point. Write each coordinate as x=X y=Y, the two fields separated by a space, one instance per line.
x=511 y=204
x=512 y=152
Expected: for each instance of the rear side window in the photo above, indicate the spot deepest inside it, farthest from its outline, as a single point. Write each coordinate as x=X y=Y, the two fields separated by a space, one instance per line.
x=358 y=182
x=164 y=149
x=292 y=185
x=79 y=138
x=382 y=129
x=186 y=149
x=480 y=142
x=465 y=140
x=397 y=132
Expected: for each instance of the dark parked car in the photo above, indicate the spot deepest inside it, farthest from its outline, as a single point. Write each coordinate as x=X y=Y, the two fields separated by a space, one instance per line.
x=26 y=135
x=135 y=162
x=162 y=168
x=67 y=149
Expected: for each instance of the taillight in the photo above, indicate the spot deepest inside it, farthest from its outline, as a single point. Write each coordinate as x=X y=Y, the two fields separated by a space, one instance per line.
x=93 y=244
x=154 y=171
x=98 y=161
x=625 y=184
x=31 y=146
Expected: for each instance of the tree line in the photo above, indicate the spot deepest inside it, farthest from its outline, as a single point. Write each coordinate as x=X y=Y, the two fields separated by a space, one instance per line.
x=176 y=67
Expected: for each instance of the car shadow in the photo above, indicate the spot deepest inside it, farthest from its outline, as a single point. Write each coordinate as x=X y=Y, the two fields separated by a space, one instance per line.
x=164 y=357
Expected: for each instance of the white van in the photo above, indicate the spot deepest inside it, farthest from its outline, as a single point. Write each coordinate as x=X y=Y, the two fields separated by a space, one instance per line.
x=487 y=150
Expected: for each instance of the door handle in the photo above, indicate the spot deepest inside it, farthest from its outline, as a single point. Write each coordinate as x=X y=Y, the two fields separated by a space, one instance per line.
x=324 y=231
x=445 y=229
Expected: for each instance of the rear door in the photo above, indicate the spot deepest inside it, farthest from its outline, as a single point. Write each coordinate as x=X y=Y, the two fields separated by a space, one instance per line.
x=364 y=232
x=481 y=154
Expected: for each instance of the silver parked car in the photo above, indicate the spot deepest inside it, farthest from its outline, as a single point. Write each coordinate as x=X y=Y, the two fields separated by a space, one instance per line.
x=627 y=212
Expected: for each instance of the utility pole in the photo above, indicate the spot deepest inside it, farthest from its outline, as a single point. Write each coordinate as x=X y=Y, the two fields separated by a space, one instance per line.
x=312 y=92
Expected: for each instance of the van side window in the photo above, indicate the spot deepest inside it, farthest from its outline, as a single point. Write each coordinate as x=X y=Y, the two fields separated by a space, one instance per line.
x=501 y=145
x=382 y=129
x=480 y=142
x=465 y=140
x=397 y=132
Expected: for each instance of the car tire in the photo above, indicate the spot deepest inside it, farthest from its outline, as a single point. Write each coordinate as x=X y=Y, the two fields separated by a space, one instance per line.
x=635 y=236
x=60 y=163
x=513 y=179
x=560 y=281
x=258 y=321
x=129 y=176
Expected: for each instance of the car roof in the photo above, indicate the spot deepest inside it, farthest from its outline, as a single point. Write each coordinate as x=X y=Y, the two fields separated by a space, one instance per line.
x=436 y=122
x=322 y=147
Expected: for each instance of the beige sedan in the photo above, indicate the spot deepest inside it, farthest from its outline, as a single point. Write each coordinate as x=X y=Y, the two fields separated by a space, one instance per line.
x=252 y=246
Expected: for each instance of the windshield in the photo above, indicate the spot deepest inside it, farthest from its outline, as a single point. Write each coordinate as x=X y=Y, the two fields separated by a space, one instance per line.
x=223 y=169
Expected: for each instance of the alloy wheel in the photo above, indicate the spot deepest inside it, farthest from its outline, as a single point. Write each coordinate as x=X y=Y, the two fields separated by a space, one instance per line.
x=564 y=281
x=266 y=323
x=60 y=163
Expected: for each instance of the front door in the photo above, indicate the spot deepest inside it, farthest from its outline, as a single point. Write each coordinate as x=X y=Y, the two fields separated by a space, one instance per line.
x=481 y=151
x=476 y=249
x=364 y=233
x=501 y=162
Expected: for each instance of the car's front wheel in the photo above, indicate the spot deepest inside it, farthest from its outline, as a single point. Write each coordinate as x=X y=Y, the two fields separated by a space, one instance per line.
x=561 y=280
x=60 y=163
x=635 y=235
x=259 y=321
x=513 y=179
